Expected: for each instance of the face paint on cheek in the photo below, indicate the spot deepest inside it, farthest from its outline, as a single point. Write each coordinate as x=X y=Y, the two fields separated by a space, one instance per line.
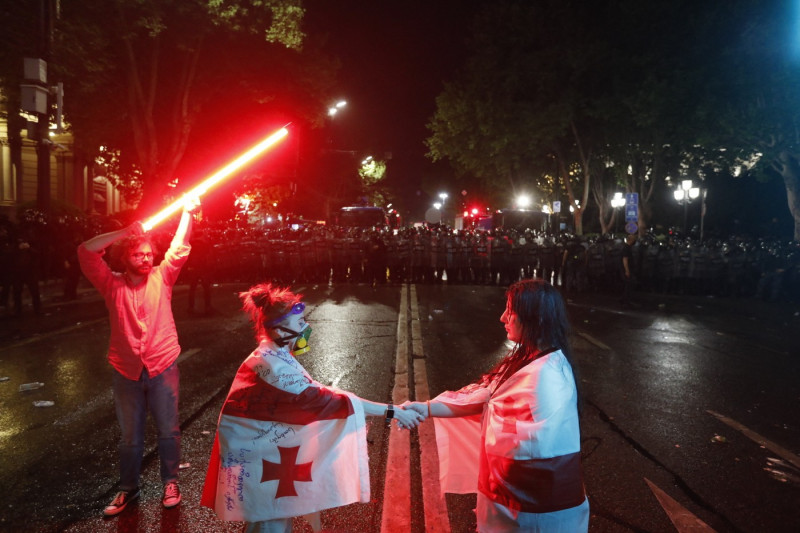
x=301 y=344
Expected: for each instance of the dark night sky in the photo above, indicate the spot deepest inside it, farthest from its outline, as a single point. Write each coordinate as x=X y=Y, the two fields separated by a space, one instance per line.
x=395 y=55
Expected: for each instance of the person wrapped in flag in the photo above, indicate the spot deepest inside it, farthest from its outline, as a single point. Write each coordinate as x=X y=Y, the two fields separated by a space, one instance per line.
x=286 y=445
x=513 y=436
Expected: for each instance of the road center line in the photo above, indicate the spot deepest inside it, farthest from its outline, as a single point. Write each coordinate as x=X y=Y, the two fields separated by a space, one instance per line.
x=396 y=511
x=436 y=518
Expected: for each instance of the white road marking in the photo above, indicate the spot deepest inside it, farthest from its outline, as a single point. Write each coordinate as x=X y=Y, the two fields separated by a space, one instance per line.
x=436 y=519
x=187 y=354
x=61 y=331
x=593 y=340
x=683 y=520
x=755 y=437
x=396 y=511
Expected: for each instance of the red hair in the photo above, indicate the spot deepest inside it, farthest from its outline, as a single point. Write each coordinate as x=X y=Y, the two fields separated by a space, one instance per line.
x=266 y=302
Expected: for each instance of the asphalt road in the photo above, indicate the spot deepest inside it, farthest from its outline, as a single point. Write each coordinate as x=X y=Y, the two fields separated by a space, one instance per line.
x=688 y=399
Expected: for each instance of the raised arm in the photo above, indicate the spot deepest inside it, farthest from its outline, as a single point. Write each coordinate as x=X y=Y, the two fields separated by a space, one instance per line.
x=101 y=242
x=184 y=232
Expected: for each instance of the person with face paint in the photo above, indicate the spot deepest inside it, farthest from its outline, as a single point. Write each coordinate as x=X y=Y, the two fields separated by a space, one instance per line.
x=513 y=436
x=286 y=445
x=143 y=347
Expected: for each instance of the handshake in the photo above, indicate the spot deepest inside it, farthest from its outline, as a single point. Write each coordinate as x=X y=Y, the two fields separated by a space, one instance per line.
x=411 y=414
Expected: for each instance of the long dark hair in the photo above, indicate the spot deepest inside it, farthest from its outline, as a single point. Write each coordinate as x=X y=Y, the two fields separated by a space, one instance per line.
x=545 y=328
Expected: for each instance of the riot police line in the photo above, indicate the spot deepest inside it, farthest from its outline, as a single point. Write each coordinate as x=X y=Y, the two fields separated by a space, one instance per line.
x=739 y=267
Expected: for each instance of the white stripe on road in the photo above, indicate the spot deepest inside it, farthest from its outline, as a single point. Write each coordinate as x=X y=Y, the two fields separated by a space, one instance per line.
x=683 y=520
x=187 y=354
x=593 y=340
x=436 y=519
x=755 y=437
x=53 y=333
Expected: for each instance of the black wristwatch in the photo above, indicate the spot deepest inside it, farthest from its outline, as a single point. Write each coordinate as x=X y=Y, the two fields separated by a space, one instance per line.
x=389 y=413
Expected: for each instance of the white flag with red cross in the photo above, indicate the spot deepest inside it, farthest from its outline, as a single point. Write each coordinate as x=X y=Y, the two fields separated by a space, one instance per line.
x=285 y=445
x=525 y=445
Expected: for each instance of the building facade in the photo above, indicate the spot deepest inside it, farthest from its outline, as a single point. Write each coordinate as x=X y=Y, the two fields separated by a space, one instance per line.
x=73 y=180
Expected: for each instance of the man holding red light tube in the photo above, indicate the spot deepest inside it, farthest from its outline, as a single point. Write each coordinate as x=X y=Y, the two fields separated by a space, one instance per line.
x=143 y=347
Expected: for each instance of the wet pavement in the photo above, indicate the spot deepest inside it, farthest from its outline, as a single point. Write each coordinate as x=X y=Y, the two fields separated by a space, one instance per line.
x=650 y=373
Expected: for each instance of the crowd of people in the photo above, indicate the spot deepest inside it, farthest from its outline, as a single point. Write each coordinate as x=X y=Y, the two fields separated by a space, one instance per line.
x=34 y=250
x=737 y=267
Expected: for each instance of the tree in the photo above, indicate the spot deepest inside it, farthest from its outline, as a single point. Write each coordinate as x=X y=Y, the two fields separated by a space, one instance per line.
x=759 y=111
x=519 y=114
x=143 y=76
x=585 y=97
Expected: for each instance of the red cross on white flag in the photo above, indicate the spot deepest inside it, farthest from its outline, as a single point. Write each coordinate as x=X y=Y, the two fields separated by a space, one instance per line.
x=285 y=445
x=287 y=472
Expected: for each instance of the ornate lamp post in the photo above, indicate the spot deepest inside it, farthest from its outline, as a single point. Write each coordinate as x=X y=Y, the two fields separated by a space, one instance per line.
x=685 y=194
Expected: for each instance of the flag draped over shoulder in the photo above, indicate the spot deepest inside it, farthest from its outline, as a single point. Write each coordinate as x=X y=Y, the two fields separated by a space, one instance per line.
x=524 y=451
x=285 y=445
x=458 y=441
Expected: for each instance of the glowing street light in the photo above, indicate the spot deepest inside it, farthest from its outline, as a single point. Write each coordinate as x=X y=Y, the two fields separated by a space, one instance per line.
x=443 y=196
x=523 y=201
x=437 y=205
x=336 y=107
x=685 y=194
x=616 y=202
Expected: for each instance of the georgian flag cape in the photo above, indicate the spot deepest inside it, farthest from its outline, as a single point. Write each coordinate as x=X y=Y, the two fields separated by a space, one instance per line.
x=285 y=445
x=523 y=452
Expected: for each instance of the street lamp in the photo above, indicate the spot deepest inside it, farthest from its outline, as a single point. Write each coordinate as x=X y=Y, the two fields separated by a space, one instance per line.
x=616 y=202
x=332 y=110
x=443 y=196
x=523 y=201
x=685 y=194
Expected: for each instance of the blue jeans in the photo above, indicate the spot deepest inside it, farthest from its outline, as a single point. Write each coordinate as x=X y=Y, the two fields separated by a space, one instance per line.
x=132 y=400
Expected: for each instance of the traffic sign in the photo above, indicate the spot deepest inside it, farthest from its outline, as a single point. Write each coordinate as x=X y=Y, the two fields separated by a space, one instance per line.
x=631 y=213
x=631 y=228
x=556 y=207
x=632 y=198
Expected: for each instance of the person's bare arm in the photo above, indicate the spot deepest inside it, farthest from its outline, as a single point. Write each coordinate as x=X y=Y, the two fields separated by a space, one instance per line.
x=439 y=409
x=184 y=232
x=101 y=242
x=406 y=418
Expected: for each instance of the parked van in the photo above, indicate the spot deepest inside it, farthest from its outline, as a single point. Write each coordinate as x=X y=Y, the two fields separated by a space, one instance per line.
x=362 y=217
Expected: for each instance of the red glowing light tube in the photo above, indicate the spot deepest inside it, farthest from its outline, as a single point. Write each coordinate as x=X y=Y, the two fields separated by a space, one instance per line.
x=217 y=177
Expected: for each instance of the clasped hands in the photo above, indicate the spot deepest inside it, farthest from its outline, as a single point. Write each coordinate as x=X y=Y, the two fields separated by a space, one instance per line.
x=410 y=414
